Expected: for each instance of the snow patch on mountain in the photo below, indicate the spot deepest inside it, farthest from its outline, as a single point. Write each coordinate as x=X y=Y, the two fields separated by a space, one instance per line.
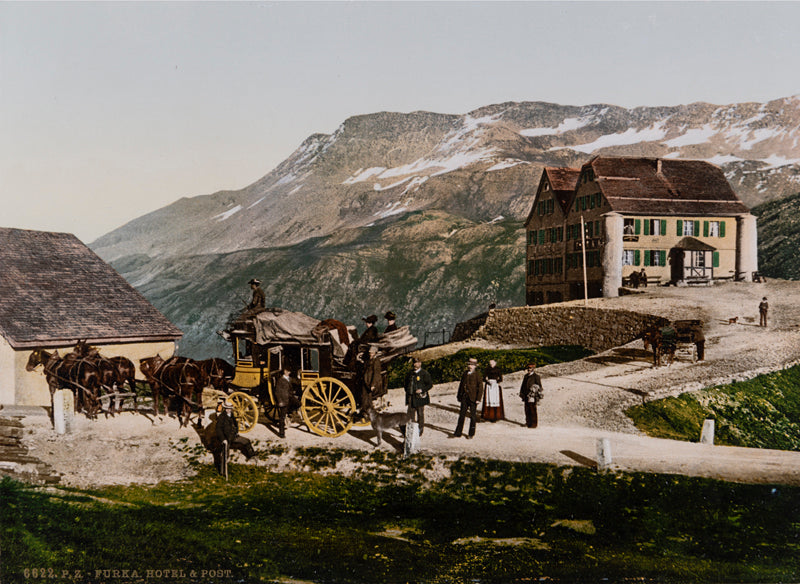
x=506 y=163
x=692 y=136
x=567 y=125
x=775 y=161
x=653 y=133
x=228 y=213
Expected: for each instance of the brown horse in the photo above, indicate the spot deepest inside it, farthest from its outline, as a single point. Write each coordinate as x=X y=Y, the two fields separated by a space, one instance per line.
x=217 y=372
x=663 y=347
x=114 y=372
x=72 y=372
x=180 y=377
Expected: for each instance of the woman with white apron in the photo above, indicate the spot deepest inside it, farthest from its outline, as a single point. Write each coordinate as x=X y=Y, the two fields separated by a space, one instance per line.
x=492 y=409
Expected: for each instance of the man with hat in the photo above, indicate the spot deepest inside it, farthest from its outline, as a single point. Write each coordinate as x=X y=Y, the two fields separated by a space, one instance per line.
x=228 y=429
x=470 y=392
x=763 y=308
x=370 y=334
x=283 y=397
x=373 y=376
x=259 y=301
x=390 y=318
x=418 y=384
x=530 y=393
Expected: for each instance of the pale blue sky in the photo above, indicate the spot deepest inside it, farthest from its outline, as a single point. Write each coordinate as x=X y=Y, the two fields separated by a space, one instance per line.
x=122 y=108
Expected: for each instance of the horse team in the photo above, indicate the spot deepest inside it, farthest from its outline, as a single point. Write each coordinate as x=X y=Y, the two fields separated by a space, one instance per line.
x=94 y=378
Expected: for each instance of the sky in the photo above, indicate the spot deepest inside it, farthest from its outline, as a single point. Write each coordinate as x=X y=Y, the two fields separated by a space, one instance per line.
x=111 y=110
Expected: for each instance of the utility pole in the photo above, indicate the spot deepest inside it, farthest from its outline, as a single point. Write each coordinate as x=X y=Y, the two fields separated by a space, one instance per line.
x=583 y=253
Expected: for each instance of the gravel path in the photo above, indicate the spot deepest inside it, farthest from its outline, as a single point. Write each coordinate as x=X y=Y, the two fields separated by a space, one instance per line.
x=583 y=404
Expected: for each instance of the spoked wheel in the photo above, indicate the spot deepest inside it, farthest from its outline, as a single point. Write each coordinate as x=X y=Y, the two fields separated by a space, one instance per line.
x=328 y=407
x=271 y=412
x=245 y=409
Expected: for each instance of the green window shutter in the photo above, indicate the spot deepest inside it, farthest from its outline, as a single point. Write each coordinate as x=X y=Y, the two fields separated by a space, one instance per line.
x=647 y=257
x=722 y=229
x=663 y=227
x=541 y=237
x=696 y=228
x=577 y=204
x=637 y=226
x=583 y=203
x=636 y=257
x=715 y=259
x=662 y=257
x=591 y=202
x=679 y=231
x=647 y=227
x=560 y=234
x=705 y=228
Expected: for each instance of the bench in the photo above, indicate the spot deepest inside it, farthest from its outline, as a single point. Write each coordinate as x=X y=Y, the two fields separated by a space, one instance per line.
x=651 y=281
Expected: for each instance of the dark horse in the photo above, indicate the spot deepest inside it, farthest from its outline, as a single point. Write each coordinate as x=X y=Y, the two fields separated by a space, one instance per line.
x=72 y=372
x=217 y=372
x=114 y=372
x=180 y=377
x=663 y=343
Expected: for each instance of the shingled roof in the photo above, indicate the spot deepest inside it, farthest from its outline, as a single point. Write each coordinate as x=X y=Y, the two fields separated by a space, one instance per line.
x=563 y=182
x=663 y=186
x=54 y=290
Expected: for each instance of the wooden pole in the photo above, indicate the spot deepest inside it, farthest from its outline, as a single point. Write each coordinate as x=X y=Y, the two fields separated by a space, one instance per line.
x=583 y=253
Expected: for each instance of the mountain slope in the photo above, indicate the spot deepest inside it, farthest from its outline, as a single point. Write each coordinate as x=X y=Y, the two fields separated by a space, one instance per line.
x=779 y=238
x=421 y=212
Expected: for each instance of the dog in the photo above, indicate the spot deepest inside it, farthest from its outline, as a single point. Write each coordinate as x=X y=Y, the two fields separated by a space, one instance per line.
x=733 y=320
x=383 y=421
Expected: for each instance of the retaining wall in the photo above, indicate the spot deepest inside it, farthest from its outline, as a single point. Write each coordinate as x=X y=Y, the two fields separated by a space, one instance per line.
x=592 y=328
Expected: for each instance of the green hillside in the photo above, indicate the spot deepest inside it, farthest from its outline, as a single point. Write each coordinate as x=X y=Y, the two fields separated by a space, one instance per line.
x=779 y=238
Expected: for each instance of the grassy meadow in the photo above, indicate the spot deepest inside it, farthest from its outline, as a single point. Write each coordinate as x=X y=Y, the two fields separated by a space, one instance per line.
x=480 y=521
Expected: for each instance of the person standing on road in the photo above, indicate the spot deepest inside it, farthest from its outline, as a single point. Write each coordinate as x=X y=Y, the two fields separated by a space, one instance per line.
x=470 y=392
x=283 y=394
x=492 y=409
x=418 y=384
x=530 y=393
x=763 y=308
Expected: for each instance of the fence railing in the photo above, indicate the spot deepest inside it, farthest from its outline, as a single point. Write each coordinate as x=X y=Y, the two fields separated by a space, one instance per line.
x=430 y=336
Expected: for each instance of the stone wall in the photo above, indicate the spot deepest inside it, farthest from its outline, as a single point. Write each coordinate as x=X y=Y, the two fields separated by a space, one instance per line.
x=592 y=328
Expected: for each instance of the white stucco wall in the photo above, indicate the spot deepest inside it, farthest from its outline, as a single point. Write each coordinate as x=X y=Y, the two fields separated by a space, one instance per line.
x=29 y=388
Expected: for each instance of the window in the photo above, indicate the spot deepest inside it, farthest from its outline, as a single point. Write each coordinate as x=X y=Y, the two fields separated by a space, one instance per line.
x=685 y=228
x=628 y=257
x=655 y=227
x=714 y=228
x=628 y=227
x=655 y=257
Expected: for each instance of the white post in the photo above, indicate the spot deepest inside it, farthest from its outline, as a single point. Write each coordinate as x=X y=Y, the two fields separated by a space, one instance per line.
x=746 y=247
x=63 y=411
x=707 y=433
x=583 y=253
x=412 y=442
x=612 y=254
x=603 y=454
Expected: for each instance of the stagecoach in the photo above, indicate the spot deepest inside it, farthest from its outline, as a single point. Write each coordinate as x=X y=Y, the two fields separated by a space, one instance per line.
x=326 y=370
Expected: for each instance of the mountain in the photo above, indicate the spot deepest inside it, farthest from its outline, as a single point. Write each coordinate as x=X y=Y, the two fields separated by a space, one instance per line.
x=779 y=238
x=420 y=212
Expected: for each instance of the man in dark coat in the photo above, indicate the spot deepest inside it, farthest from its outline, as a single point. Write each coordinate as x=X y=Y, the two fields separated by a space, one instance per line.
x=283 y=394
x=390 y=322
x=228 y=429
x=470 y=392
x=373 y=376
x=699 y=340
x=418 y=384
x=531 y=392
x=763 y=308
x=370 y=334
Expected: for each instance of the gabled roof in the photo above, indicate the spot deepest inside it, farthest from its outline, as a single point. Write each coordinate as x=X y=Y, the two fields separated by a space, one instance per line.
x=665 y=186
x=693 y=244
x=563 y=181
x=55 y=290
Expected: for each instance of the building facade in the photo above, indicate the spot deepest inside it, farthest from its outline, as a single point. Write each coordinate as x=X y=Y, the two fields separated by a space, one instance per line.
x=55 y=291
x=591 y=228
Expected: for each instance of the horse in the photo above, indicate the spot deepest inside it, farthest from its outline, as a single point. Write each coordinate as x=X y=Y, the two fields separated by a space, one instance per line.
x=217 y=372
x=114 y=372
x=663 y=345
x=179 y=375
x=71 y=372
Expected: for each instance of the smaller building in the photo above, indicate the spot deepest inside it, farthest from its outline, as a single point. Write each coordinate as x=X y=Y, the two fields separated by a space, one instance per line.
x=591 y=228
x=55 y=291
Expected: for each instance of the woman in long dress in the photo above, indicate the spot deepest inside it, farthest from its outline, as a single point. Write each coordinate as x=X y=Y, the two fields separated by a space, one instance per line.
x=492 y=409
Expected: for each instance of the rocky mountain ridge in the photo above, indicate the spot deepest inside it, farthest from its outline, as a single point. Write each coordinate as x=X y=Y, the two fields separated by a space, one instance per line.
x=420 y=213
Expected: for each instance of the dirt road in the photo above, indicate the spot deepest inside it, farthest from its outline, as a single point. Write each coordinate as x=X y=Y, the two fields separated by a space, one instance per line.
x=584 y=403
